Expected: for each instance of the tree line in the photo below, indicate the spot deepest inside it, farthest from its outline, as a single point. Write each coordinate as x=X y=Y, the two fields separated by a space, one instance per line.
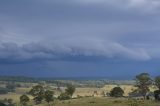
x=40 y=93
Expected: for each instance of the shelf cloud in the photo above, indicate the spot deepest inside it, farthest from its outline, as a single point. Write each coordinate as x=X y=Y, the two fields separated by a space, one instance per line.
x=69 y=47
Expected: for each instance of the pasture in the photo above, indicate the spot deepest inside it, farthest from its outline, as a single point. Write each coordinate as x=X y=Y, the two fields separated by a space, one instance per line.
x=84 y=96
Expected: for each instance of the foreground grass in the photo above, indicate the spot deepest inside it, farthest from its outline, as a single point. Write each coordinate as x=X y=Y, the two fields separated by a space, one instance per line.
x=100 y=102
x=87 y=101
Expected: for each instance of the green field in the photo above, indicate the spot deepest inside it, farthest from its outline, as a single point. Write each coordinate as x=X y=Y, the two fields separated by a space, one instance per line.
x=103 y=102
x=83 y=96
x=96 y=101
x=99 y=102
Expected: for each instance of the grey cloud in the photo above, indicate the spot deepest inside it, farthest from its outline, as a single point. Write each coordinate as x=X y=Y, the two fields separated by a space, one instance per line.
x=70 y=47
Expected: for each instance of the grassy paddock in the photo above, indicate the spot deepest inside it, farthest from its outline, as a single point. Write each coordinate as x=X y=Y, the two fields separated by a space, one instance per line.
x=102 y=101
x=86 y=101
x=93 y=101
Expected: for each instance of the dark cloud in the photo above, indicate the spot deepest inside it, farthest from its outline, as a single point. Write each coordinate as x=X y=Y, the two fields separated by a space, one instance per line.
x=79 y=31
x=81 y=22
x=69 y=47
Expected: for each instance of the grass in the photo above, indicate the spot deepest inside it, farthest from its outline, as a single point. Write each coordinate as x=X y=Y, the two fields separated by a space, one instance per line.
x=87 y=101
x=101 y=101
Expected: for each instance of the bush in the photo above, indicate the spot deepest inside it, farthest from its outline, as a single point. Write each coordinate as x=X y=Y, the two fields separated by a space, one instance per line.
x=48 y=96
x=117 y=92
x=24 y=99
x=63 y=96
x=70 y=90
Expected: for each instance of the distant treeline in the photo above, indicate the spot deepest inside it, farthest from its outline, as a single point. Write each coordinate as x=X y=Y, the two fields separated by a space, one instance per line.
x=26 y=79
x=63 y=82
x=18 y=79
x=79 y=79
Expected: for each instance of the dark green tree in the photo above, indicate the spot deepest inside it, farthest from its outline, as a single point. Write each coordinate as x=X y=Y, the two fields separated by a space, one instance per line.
x=24 y=99
x=157 y=82
x=143 y=81
x=38 y=93
x=70 y=90
x=48 y=96
x=117 y=92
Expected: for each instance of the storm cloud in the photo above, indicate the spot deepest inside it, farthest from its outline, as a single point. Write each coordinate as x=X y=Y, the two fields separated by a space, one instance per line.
x=69 y=47
x=79 y=31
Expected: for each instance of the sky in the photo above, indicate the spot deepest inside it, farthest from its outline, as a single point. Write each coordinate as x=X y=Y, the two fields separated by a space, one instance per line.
x=79 y=38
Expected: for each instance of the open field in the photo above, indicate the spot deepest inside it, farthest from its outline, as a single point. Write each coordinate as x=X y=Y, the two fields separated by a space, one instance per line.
x=101 y=101
x=106 y=89
x=83 y=95
x=84 y=92
x=96 y=101
x=85 y=101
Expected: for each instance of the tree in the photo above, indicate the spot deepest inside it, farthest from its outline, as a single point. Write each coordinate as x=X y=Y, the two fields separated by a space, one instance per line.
x=48 y=96
x=70 y=90
x=117 y=92
x=24 y=99
x=157 y=82
x=38 y=93
x=143 y=81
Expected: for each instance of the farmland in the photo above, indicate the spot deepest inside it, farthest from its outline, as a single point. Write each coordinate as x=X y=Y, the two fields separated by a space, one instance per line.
x=87 y=93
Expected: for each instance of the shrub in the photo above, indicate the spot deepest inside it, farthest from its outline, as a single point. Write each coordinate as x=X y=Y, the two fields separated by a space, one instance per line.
x=70 y=89
x=24 y=99
x=64 y=96
x=117 y=92
x=48 y=96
